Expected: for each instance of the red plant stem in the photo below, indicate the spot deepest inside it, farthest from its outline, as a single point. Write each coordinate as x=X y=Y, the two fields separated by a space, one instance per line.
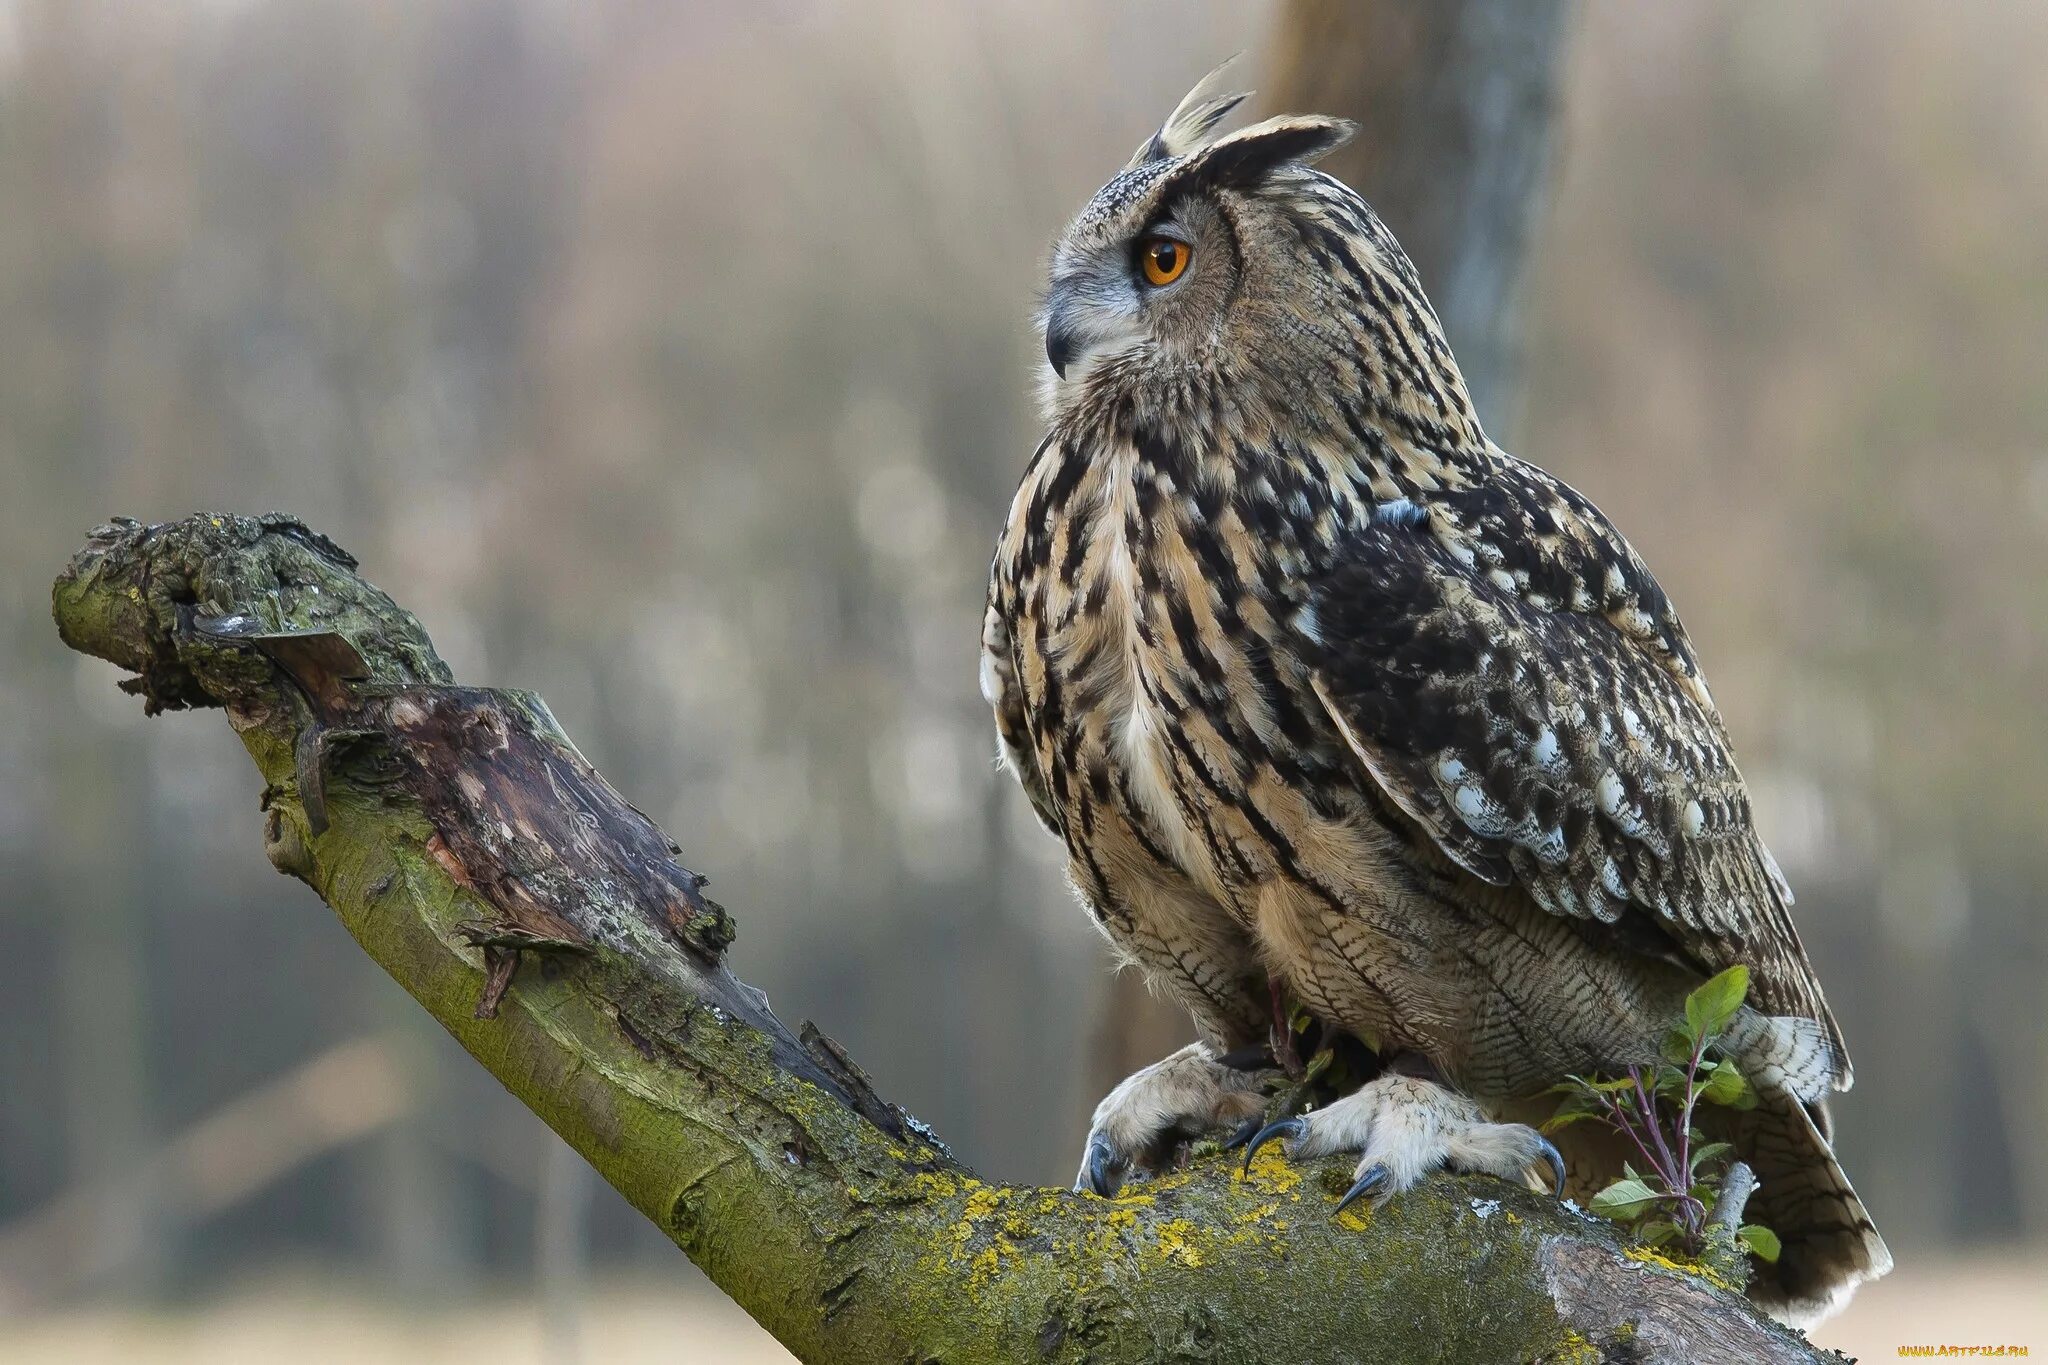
x=1674 y=1170
x=1692 y=1094
x=1677 y=1178
x=1619 y=1121
x=1648 y=1107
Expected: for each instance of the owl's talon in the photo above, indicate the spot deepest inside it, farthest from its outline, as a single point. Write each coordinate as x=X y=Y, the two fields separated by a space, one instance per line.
x=1296 y=1128
x=1374 y=1177
x=1550 y=1155
x=1101 y=1168
x=1149 y=1120
x=1246 y=1131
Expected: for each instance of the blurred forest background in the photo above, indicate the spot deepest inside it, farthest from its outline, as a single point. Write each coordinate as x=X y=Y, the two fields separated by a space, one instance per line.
x=674 y=360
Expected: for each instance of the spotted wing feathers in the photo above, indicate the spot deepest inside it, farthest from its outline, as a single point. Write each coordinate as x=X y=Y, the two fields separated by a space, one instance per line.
x=1511 y=677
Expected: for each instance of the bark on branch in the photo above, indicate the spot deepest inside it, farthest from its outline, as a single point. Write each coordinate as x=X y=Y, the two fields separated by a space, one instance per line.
x=552 y=929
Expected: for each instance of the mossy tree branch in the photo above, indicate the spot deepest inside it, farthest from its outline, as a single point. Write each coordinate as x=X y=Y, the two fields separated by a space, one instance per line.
x=550 y=927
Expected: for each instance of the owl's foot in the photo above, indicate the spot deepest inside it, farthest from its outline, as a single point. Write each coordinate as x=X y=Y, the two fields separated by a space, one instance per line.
x=1152 y=1112
x=1407 y=1127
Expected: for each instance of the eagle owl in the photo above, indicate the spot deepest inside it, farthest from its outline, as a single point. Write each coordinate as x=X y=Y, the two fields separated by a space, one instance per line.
x=1335 y=702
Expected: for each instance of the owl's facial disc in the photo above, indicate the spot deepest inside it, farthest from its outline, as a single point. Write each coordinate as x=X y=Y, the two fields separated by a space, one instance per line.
x=1105 y=295
x=1092 y=307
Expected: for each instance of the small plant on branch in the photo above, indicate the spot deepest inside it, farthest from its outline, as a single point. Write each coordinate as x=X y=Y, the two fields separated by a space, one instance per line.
x=1671 y=1198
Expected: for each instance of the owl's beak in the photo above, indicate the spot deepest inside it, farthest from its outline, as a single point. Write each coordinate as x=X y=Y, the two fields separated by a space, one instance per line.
x=1079 y=321
x=1067 y=336
x=1060 y=343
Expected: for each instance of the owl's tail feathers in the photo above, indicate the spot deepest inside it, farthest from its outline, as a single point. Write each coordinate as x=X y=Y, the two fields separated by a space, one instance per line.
x=1829 y=1245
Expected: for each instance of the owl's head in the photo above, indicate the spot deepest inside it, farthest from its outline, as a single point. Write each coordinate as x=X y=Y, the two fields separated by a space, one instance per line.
x=1225 y=260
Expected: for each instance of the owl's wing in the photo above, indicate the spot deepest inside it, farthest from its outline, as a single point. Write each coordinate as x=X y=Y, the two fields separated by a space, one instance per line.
x=1511 y=676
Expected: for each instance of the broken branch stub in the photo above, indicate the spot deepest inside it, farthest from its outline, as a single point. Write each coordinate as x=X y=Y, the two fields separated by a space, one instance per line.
x=254 y=614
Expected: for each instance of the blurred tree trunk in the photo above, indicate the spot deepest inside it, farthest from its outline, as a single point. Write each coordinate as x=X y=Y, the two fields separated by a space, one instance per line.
x=410 y=1192
x=561 y=1252
x=104 y=1025
x=1455 y=101
x=473 y=852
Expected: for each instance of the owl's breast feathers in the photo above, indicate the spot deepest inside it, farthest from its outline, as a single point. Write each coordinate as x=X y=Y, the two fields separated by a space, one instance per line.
x=1137 y=653
x=1463 y=652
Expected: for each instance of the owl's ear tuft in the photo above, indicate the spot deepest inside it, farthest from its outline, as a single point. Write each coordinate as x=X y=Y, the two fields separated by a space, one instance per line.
x=1246 y=157
x=1193 y=121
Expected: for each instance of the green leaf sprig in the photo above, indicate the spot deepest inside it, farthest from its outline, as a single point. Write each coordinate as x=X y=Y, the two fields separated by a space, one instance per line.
x=1671 y=1198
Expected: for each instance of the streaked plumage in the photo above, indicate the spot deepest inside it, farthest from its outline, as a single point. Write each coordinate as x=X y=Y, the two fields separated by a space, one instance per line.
x=1317 y=683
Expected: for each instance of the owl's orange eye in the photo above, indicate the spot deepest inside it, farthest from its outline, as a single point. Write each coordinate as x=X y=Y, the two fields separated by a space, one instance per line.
x=1163 y=259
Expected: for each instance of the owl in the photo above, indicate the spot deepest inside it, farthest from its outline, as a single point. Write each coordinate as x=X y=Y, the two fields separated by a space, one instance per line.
x=1338 y=706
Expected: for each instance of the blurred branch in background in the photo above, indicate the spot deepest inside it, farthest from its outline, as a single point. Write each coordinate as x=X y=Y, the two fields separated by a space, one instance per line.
x=345 y=1093
x=1456 y=102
